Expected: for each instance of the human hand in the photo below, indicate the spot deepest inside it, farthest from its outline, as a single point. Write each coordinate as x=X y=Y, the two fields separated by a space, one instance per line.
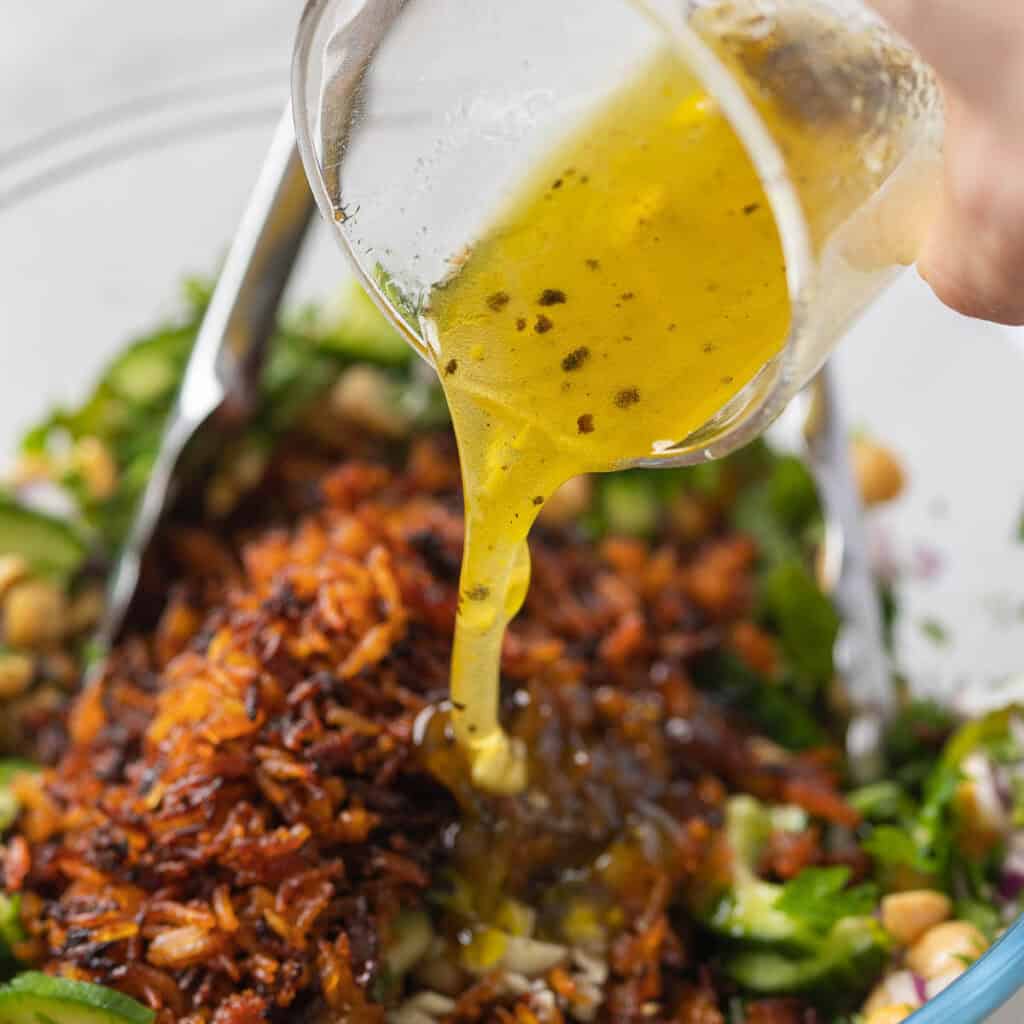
x=974 y=255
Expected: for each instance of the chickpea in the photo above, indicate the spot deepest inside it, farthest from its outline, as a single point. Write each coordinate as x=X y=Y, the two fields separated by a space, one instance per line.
x=896 y=989
x=94 y=462
x=34 y=614
x=879 y=474
x=944 y=980
x=569 y=502
x=16 y=671
x=908 y=915
x=365 y=397
x=85 y=610
x=13 y=569
x=889 y=1014
x=944 y=948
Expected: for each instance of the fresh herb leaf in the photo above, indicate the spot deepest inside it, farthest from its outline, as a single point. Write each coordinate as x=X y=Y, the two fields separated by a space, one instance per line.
x=936 y=632
x=882 y=802
x=982 y=915
x=804 y=619
x=820 y=897
x=772 y=707
x=779 y=511
x=890 y=608
x=915 y=739
x=894 y=847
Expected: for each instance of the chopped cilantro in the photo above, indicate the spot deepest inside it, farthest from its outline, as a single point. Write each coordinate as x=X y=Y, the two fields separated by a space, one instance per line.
x=805 y=619
x=894 y=847
x=936 y=632
x=882 y=802
x=820 y=897
x=982 y=915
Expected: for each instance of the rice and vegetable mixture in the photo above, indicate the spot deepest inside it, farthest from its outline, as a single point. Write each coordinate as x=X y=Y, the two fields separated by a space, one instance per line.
x=256 y=811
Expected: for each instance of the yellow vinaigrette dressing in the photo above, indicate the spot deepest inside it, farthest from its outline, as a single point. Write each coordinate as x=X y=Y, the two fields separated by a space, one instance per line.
x=631 y=289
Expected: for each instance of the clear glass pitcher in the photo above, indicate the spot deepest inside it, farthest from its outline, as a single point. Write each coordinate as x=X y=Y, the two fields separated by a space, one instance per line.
x=417 y=119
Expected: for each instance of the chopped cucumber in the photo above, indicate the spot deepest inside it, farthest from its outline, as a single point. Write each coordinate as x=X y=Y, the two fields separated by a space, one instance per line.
x=363 y=333
x=50 y=546
x=11 y=933
x=150 y=370
x=35 y=998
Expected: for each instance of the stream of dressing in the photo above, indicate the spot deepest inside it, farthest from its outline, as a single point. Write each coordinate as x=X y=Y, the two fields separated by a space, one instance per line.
x=631 y=289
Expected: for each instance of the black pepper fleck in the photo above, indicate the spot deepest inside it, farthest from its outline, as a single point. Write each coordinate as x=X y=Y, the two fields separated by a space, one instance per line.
x=751 y=208
x=557 y=183
x=593 y=264
x=552 y=297
x=498 y=301
x=586 y=423
x=543 y=325
x=538 y=500
x=478 y=593
x=626 y=296
x=627 y=397
x=451 y=367
x=575 y=359
x=521 y=324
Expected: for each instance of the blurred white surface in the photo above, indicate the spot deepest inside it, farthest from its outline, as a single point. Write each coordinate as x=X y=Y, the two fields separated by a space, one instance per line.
x=129 y=136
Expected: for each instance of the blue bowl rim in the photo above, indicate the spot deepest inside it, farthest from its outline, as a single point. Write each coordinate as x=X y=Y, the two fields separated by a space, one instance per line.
x=983 y=988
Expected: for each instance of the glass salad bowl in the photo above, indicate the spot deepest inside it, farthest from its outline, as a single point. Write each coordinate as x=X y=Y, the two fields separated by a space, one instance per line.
x=137 y=176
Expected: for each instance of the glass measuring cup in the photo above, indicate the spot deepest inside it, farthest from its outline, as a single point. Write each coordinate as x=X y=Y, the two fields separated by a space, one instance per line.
x=417 y=119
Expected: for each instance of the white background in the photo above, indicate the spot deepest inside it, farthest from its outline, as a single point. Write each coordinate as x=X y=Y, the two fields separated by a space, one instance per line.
x=129 y=135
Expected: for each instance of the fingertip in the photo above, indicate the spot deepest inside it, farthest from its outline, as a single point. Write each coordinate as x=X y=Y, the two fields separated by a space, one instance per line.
x=970 y=279
x=968 y=300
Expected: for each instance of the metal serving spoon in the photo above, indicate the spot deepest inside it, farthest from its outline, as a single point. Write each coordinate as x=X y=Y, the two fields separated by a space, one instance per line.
x=813 y=427
x=220 y=386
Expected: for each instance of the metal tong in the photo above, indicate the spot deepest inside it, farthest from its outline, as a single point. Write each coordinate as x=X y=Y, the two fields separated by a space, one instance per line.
x=220 y=387
x=814 y=428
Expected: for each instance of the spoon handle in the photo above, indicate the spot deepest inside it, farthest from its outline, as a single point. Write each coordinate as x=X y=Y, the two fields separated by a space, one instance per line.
x=861 y=657
x=220 y=385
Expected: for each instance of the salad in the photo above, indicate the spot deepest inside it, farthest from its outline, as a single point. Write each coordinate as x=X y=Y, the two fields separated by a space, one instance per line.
x=254 y=809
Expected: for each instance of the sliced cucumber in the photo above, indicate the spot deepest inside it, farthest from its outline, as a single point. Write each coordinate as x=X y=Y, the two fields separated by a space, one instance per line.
x=50 y=546
x=35 y=998
x=151 y=369
x=11 y=933
x=363 y=333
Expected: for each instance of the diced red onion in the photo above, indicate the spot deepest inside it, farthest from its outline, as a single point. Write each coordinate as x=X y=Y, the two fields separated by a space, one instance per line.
x=1011 y=884
x=921 y=988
